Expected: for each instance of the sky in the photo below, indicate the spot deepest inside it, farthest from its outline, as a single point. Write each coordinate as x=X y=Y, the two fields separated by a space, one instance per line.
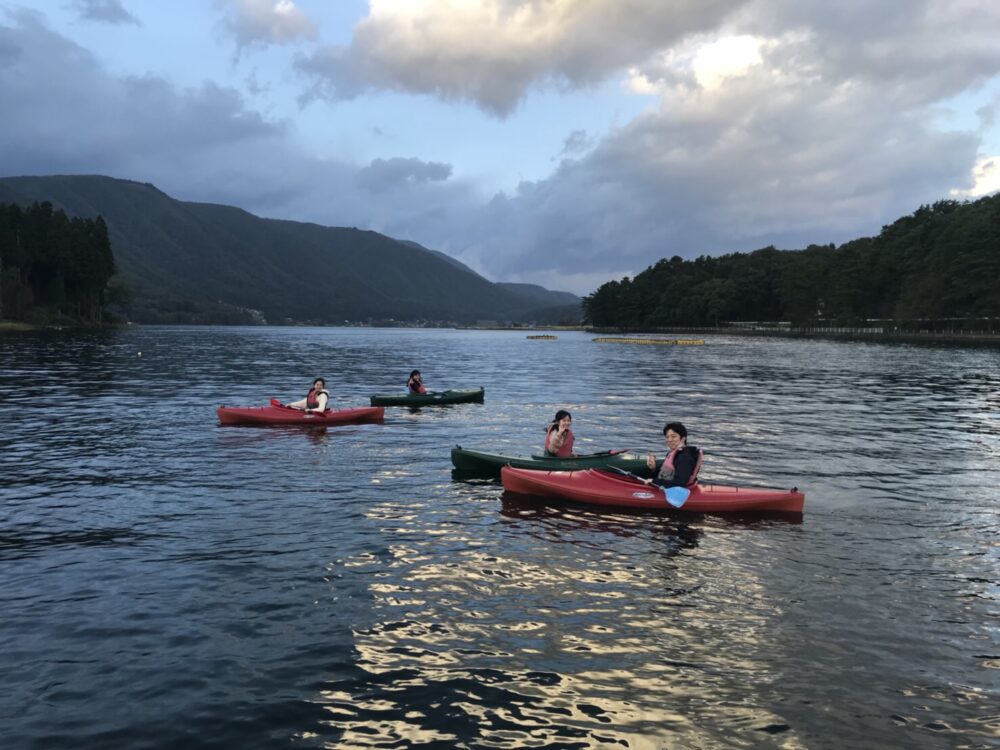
x=560 y=142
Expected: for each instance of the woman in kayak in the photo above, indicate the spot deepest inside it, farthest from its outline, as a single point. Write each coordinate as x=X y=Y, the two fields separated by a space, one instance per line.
x=682 y=462
x=316 y=400
x=415 y=385
x=558 y=436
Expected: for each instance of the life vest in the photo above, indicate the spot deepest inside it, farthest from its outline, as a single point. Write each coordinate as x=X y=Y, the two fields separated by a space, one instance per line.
x=567 y=447
x=312 y=400
x=697 y=466
x=419 y=389
x=668 y=462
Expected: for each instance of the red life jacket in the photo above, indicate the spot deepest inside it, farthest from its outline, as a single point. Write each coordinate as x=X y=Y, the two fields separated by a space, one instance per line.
x=312 y=400
x=419 y=387
x=567 y=447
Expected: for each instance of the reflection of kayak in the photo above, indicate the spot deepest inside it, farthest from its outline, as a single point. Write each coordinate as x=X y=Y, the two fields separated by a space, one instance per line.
x=433 y=398
x=478 y=462
x=286 y=415
x=603 y=488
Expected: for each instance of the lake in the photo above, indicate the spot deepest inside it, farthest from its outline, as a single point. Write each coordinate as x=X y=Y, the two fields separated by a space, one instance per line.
x=170 y=583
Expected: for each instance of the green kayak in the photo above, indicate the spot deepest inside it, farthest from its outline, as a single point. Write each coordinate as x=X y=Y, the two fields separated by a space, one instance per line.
x=433 y=398
x=489 y=464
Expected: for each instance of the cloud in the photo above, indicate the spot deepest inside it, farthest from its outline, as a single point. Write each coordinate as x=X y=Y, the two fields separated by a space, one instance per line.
x=265 y=22
x=985 y=179
x=85 y=120
x=491 y=52
x=791 y=143
x=386 y=174
x=104 y=11
x=65 y=113
x=576 y=143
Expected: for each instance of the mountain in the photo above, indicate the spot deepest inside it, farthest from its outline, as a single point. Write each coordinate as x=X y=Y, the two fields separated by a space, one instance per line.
x=546 y=306
x=540 y=295
x=202 y=262
x=439 y=254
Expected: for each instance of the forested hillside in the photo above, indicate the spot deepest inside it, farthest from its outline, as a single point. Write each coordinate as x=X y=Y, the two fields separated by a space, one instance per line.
x=204 y=263
x=943 y=261
x=52 y=267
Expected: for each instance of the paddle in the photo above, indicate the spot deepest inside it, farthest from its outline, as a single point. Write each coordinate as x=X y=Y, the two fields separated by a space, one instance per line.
x=676 y=496
x=276 y=403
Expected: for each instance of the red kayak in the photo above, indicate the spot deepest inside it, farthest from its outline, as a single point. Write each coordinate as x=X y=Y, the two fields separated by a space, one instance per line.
x=275 y=414
x=602 y=488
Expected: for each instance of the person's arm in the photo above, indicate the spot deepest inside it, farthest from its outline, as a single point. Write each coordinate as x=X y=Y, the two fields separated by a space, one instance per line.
x=554 y=440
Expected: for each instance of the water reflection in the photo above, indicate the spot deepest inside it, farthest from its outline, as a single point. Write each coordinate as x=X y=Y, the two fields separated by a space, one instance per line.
x=559 y=518
x=455 y=654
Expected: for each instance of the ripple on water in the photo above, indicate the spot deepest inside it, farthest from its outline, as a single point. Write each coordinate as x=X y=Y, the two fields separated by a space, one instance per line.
x=171 y=583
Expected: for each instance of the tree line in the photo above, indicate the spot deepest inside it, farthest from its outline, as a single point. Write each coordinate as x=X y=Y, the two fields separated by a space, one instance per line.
x=941 y=262
x=53 y=267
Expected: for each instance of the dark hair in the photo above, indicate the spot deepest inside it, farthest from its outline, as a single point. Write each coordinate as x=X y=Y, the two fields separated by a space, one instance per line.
x=559 y=415
x=319 y=380
x=415 y=372
x=676 y=427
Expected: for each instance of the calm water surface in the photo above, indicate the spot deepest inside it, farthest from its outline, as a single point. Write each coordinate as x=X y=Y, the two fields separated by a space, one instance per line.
x=169 y=583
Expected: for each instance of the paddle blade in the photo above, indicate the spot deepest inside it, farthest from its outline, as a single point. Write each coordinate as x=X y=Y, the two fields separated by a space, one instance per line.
x=676 y=496
x=275 y=402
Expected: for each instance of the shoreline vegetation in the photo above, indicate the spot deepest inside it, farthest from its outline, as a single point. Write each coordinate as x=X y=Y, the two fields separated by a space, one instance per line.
x=55 y=270
x=933 y=273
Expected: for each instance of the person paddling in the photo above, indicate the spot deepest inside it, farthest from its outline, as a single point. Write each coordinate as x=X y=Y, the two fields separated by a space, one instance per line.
x=682 y=463
x=558 y=436
x=415 y=385
x=316 y=400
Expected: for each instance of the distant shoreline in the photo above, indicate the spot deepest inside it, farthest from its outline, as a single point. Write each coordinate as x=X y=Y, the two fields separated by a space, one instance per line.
x=836 y=334
x=14 y=325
